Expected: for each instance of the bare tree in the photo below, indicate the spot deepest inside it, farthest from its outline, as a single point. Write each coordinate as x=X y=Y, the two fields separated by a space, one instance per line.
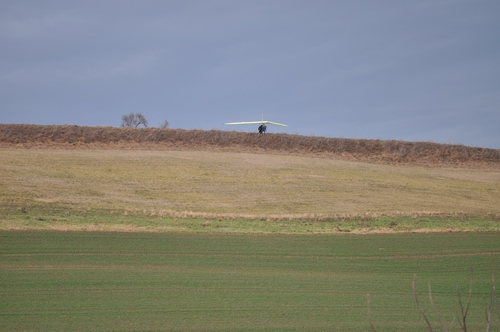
x=134 y=120
x=140 y=119
x=128 y=120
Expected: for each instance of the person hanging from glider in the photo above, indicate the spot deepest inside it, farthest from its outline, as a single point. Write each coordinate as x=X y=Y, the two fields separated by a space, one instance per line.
x=262 y=127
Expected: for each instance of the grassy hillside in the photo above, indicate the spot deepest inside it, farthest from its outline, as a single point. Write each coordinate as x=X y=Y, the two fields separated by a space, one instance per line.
x=177 y=190
x=378 y=151
x=169 y=180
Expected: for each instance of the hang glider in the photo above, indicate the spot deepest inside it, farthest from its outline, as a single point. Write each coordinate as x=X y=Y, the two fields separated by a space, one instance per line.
x=262 y=128
x=256 y=122
x=261 y=122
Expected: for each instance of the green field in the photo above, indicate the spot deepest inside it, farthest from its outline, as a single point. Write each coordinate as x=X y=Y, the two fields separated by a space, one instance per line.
x=86 y=281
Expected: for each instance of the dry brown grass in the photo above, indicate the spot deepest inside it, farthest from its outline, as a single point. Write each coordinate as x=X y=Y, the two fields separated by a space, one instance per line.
x=373 y=151
x=226 y=185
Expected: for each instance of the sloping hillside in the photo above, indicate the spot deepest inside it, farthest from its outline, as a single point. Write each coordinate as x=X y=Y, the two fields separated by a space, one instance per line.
x=379 y=151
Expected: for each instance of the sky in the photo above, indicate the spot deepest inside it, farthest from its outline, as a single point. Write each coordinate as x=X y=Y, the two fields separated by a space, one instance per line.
x=426 y=70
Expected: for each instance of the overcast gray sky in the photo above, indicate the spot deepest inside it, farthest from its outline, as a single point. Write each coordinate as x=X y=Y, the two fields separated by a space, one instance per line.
x=406 y=70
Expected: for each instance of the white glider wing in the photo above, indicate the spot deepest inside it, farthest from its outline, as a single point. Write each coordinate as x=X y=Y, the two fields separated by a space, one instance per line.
x=256 y=122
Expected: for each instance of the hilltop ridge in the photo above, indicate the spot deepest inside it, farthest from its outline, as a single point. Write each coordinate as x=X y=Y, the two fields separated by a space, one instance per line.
x=366 y=150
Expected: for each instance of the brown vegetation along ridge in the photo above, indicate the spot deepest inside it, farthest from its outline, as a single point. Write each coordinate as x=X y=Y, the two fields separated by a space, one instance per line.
x=381 y=151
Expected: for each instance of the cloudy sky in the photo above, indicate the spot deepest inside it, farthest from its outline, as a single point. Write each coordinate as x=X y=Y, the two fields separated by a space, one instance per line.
x=426 y=70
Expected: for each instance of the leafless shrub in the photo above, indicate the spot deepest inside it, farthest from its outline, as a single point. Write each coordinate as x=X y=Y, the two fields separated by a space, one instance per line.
x=463 y=311
x=164 y=125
